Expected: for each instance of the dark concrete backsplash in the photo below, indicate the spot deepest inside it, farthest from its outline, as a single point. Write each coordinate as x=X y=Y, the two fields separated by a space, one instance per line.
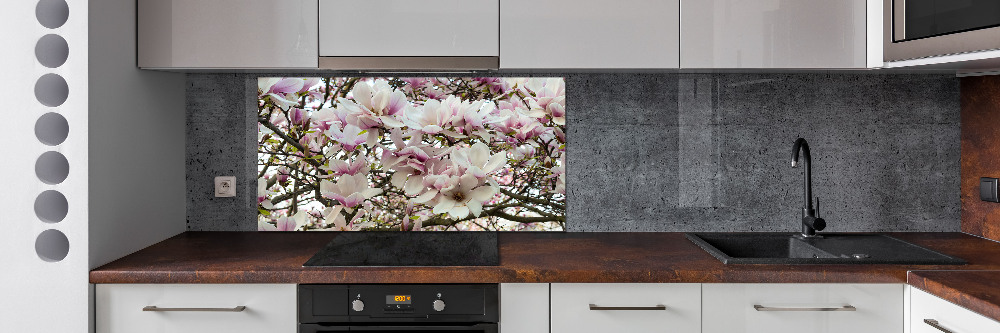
x=683 y=152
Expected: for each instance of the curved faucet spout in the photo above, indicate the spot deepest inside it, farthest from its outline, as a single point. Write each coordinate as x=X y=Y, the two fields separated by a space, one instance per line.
x=803 y=146
x=810 y=222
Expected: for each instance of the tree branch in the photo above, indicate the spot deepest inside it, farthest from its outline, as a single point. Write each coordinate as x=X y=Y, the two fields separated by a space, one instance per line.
x=289 y=140
x=532 y=200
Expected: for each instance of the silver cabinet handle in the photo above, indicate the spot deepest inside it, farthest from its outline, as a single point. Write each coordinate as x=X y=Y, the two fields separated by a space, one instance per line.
x=233 y=309
x=937 y=325
x=759 y=307
x=629 y=308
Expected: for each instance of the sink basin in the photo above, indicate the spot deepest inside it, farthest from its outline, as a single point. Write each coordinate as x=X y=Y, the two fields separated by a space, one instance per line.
x=786 y=248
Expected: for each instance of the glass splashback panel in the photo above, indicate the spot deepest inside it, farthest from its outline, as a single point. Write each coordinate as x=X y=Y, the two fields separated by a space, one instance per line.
x=352 y=153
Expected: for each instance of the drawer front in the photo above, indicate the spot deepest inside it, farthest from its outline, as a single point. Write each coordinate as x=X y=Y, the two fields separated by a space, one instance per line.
x=404 y=28
x=626 y=307
x=730 y=308
x=948 y=316
x=268 y=308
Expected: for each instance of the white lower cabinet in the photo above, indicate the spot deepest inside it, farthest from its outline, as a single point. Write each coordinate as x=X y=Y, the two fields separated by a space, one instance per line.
x=626 y=307
x=802 y=308
x=196 y=308
x=524 y=308
x=930 y=314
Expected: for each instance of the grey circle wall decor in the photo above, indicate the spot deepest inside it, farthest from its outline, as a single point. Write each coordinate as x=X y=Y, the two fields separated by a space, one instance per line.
x=52 y=167
x=52 y=245
x=51 y=129
x=51 y=51
x=52 y=13
x=51 y=206
x=51 y=90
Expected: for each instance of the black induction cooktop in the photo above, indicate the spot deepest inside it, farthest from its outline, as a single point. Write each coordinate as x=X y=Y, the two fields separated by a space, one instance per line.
x=409 y=248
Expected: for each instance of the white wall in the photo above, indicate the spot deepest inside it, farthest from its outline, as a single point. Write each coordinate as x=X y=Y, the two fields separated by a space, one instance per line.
x=37 y=295
x=137 y=185
x=125 y=150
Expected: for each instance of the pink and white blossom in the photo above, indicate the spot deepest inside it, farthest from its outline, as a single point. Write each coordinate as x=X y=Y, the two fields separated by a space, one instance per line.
x=349 y=190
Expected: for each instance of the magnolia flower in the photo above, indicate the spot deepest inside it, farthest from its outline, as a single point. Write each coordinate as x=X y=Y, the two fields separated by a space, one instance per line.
x=550 y=98
x=432 y=118
x=351 y=137
x=297 y=116
x=559 y=172
x=281 y=91
x=558 y=113
x=349 y=190
x=262 y=193
x=478 y=161
x=381 y=101
x=459 y=199
x=340 y=167
x=522 y=152
x=284 y=223
x=523 y=126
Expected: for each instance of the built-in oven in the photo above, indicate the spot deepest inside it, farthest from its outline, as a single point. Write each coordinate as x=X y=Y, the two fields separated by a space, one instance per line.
x=927 y=28
x=389 y=308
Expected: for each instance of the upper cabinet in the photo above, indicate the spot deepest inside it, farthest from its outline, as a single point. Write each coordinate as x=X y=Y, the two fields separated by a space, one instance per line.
x=575 y=34
x=778 y=34
x=227 y=33
x=425 y=28
x=406 y=34
x=509 y=34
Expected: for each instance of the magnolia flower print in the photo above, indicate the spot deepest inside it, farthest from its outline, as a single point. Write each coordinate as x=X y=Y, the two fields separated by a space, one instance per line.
x=347 y=153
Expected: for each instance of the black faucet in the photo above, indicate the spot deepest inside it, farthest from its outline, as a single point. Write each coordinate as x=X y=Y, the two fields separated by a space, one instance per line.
x=810 y=222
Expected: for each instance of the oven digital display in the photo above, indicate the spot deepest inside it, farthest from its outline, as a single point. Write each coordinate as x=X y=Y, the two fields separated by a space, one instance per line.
x=397 y=299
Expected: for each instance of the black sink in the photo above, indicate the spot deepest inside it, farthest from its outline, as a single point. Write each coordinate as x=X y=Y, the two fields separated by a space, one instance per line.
x=787 y=248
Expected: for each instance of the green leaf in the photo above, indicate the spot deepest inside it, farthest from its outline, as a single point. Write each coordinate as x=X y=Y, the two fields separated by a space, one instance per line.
x=263 y=212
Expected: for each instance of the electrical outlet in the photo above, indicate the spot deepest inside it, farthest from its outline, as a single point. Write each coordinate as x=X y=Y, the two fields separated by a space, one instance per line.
x=225 y=186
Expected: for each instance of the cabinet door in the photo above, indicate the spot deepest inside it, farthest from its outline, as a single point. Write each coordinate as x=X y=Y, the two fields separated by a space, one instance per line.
x=405 y=28
x=524 y=308
x=773 y=34
x=626 y=307
x=802 y=308
x=227 y=34
x=589 y=34
x=268 y=308
x=944 y=314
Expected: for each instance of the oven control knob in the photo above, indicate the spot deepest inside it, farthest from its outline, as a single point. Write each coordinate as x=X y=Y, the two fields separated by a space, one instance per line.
x=438 y=305
x=358 y=305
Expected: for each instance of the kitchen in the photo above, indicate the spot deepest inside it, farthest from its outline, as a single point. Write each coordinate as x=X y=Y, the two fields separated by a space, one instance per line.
x=686 y=127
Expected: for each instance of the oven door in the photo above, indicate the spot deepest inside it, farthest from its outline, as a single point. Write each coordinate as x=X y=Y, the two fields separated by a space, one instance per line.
x=926 y=28
x=473 y=328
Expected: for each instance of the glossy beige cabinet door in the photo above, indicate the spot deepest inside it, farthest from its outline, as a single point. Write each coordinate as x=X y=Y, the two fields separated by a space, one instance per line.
x=927 y=310
x=626 y=307
x=406 y=28
x=227 y=33
x=268 y=308
x=802 y=308
x=774 y=33
x=589 y=34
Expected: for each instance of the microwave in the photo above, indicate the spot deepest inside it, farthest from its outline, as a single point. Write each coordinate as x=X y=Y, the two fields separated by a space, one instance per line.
x=915 y=29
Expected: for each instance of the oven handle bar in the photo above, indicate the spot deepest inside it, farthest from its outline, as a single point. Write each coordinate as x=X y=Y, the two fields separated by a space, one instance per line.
x=159 y=309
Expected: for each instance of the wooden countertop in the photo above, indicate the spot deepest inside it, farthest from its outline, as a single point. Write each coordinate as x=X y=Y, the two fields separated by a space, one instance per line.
x=978 y=291
x=277 y=257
